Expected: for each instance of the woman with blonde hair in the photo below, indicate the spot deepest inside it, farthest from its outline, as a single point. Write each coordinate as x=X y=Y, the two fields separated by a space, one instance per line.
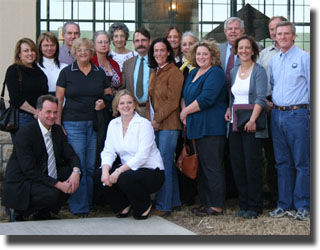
x=83 y=85
x=128 y=186
x=202 y=111
x=25 y=81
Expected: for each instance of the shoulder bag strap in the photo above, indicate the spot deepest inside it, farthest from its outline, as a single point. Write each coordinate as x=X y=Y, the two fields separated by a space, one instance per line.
x=19 y=78
x=3 y=89
x=194 y=146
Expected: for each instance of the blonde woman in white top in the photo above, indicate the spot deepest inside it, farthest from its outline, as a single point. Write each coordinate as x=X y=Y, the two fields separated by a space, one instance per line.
x=131 y=137
x=48 y=47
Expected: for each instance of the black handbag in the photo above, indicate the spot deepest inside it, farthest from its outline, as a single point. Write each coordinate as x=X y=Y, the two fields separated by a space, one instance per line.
x=9 y=117
x=243 y=116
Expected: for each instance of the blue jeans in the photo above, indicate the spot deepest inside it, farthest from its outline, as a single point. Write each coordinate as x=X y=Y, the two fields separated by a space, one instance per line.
x=291 y=141
x=168 y=195
x=24 y=119
x=82 y=138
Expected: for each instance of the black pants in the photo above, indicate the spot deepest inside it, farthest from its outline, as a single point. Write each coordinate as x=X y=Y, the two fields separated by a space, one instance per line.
x=44 y=198
x=211 y=175
x=271 y=173
x=247 y=162
x=133 y=187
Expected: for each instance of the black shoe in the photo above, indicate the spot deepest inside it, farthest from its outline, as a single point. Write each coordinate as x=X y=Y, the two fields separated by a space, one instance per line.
x=14 y=215
x=143 y=217
x=124 y=215
x=207 y=211
x=195 y=209
x=82 y=215
x=42 y=215
x=176 y=208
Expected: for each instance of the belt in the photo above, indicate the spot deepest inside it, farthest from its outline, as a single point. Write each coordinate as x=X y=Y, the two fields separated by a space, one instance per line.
x=292 y=107
x=142 y=104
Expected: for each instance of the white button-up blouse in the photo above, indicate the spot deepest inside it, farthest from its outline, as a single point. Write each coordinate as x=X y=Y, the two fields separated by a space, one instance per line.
x=137 y=148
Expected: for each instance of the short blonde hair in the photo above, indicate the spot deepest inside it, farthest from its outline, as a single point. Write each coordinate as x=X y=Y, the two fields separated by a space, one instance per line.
x=116 y=100
x=82 y=42
x=213 y=49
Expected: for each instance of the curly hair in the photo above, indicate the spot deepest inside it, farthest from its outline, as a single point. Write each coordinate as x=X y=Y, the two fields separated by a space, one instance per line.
x=82 y=42
x=213 y=49
x=119 y=26
x=116 y=101
x=152 y=61
x=254 y=46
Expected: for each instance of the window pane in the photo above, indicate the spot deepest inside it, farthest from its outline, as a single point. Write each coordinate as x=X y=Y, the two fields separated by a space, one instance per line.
x=55 y=8
x=86 y=10
x=129 y=11
x=86 y=29
x=220 y=13
x=99 y=26
x=207 y=12
x=54 y=26
x=43 y=9
x=99 y=10
x=116 y=11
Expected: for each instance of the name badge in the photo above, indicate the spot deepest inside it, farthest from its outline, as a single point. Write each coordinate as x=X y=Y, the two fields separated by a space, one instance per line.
x=294 y=65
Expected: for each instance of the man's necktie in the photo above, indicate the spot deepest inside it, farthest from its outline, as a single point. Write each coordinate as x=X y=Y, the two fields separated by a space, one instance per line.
x=139 y=87
x=52 y=170
x=230 y=65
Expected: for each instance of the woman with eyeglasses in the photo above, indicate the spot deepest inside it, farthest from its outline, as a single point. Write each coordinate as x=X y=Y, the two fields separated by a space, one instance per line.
x=84 y=86
x=101 y=42
x=48 y=62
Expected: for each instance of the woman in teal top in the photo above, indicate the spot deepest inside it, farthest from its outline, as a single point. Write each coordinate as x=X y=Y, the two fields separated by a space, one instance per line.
x=203 y=108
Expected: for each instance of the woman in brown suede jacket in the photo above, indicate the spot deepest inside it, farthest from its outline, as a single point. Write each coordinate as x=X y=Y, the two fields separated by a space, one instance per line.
x=162 y=109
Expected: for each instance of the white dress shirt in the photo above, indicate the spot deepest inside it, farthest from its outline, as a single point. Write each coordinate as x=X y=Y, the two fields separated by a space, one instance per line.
x=137 y=148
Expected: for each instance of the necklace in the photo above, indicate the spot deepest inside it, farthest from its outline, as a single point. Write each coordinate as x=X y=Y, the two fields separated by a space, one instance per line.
x=243 y=73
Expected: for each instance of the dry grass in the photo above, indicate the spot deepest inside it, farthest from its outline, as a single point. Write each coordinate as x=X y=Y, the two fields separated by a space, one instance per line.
x=218 y=225
x=227 y=224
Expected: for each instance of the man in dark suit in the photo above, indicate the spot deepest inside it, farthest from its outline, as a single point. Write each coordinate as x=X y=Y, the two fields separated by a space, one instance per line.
x=233 y=29
x=134 y=78
x=43 y=168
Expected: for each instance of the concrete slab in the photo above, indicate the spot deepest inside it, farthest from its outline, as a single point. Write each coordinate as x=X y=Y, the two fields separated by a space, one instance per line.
x=95 y=226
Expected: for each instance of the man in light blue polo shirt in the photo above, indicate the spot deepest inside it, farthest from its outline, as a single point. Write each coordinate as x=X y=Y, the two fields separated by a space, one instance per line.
x=290 y=124
x=136 y=71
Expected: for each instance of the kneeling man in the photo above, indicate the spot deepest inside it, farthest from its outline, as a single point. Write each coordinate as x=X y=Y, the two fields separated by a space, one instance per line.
x=43 y=168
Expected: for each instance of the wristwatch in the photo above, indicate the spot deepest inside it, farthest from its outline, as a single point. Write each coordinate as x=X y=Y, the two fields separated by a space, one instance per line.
x=76 y=170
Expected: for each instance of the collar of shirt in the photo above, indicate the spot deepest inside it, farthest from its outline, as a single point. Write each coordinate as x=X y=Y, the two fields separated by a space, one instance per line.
x=75 y=67
x=43 y=129
x=289 y=53
x=134 y=119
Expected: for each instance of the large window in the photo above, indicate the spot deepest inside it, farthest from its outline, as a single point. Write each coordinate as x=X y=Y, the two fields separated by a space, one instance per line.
x=203 y=15
x=92 y=15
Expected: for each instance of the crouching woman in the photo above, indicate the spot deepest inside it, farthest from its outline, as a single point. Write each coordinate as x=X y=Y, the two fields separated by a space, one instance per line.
x=131 y=137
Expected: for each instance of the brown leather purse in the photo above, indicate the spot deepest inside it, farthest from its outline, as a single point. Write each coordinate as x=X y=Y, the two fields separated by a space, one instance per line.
x=187 y=163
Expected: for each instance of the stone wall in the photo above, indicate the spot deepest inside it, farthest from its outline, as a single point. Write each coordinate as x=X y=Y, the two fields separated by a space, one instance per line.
x=5 y=152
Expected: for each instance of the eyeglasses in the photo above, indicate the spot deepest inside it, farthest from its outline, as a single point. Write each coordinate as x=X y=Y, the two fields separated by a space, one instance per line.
x=102 y=42
x=79 y=51
x=46 y=46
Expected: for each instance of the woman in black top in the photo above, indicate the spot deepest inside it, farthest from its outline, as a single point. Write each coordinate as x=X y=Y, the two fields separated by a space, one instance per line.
x=34 y=82
x=83 y=85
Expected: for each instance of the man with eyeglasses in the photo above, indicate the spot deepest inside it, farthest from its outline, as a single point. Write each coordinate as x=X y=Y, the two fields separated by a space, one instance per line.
x=136 y=71
x=70 y=32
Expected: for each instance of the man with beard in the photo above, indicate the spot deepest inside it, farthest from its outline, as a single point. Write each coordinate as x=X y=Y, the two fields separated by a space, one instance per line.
x=136 y=71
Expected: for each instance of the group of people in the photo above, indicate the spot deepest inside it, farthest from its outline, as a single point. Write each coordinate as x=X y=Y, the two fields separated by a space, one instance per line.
x=104 y=127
